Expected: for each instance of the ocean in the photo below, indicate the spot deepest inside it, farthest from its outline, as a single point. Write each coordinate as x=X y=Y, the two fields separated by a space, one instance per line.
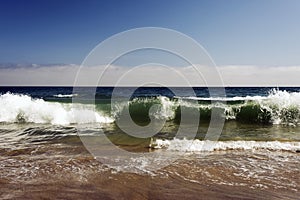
x=149 y=143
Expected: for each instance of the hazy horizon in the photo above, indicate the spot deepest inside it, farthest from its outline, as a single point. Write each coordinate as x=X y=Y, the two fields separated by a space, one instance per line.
x=51 y=75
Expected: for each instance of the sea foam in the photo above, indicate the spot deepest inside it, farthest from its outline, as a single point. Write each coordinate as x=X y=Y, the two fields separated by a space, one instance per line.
x=23 y=108
x=185 y=145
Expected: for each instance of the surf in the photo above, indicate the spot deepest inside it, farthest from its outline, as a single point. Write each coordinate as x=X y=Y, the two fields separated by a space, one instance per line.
x=278 y=107
x=19 y=108
x=188 y=145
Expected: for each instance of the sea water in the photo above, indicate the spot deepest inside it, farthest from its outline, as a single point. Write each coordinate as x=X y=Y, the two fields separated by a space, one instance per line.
x=255 y=156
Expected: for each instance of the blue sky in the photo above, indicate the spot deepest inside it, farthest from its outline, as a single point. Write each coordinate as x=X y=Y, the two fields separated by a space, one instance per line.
x=234 y=32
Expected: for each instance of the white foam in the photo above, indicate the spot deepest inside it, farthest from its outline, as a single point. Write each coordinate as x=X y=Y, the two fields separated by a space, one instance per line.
x=16 y=108
x=166 y=110
x=185 y=145
x=246 y=98
x=65 y=95
x=284 y=106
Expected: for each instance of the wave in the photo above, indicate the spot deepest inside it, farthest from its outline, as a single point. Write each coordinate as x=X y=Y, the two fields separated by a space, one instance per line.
x=144 y=109
x=224 y=98
x=185 y=145
x=17 y=108
x=65 y=95
x=279 y=107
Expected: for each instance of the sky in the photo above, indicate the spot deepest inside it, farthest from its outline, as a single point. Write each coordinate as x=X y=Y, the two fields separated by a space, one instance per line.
x=260 y=33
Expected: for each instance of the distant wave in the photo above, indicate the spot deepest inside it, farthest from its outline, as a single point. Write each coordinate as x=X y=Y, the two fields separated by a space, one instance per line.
x=185 y=145
x=247 y=98
x=65 y=95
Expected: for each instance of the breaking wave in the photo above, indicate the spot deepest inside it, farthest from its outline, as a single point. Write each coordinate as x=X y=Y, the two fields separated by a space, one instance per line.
x=279 y=107
x=22 y=108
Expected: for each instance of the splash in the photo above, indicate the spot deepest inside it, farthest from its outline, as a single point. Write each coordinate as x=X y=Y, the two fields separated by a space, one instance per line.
x=22 y=108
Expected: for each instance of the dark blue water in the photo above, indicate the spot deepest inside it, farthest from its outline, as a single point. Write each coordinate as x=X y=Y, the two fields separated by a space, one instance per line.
x=105 y=92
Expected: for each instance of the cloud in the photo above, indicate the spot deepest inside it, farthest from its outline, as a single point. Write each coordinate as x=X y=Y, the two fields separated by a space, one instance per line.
x=260 y=75
x=151 y=74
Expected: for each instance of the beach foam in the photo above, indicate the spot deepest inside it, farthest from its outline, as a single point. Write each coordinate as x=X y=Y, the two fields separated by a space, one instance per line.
x=185 y=145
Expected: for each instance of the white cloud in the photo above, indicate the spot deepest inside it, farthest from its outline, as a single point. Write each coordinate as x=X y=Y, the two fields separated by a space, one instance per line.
x=65 y=75
x=261 y=75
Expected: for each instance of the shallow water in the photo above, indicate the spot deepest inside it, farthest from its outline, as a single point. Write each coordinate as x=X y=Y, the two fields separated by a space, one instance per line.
x=69 y=171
